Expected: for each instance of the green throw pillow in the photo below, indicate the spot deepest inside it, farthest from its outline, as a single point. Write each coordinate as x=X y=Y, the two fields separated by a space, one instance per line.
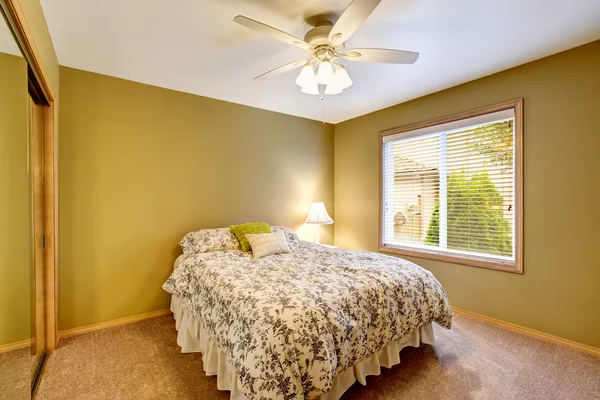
x=251 y=227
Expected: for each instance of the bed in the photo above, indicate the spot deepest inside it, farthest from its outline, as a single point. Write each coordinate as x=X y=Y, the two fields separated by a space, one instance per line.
x=307 y=324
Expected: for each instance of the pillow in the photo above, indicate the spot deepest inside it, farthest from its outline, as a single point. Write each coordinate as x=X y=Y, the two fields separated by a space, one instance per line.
x=291 y=236
x=240 y=232
x=206 y=240
x=178 y=262
x=266 y=244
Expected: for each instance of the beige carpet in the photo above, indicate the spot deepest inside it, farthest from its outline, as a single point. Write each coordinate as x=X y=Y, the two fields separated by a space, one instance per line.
x=15 y=374
x=474 y=360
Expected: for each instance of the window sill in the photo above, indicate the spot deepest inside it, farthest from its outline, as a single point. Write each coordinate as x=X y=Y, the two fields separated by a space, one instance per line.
x=515 y=267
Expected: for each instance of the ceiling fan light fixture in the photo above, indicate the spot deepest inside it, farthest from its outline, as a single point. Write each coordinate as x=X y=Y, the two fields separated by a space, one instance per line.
x=341 y=78
x=306 y=76
x=322 y=73
x=333 y=89
x=325 y=72
x=311 y=87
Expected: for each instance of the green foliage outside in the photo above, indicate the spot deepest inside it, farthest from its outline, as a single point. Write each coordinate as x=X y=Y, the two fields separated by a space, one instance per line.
x=475 y=207
x=480 y=226
x=493 y=141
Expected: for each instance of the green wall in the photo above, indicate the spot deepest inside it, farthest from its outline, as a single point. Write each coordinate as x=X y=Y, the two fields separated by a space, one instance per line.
x=559 y=292
x=141 y=166
x=15 y=201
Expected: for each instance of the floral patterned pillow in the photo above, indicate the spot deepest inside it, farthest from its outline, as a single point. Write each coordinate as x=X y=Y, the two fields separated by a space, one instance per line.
x=291 y=236
x=206 y=240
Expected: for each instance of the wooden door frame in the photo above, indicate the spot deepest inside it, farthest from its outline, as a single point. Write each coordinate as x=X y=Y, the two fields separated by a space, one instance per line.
x=40 y=83
x=36 y=146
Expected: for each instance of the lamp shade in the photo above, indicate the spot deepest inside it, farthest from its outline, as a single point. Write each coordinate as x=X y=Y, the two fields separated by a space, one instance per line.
x=325 y=72
x=332 y=89
x=306 y=76
x=311 y=87
x=318 y=215
x=341 y=79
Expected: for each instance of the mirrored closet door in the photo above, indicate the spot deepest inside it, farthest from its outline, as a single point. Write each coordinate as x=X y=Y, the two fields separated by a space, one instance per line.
x=27 y=276
x=17 y=357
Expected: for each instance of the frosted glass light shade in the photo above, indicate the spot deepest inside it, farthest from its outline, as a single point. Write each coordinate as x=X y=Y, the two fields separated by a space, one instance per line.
x=325 y=73
x=318 y=215
x=341 y=79
x=306 y=76
x=332 y=88
x=311 y=87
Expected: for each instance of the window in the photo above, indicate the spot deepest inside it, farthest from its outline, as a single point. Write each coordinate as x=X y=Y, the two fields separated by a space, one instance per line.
x=451 y=189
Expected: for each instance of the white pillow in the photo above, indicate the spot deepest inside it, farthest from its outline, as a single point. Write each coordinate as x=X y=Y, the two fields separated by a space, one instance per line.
x=178 y=262
x=290 y=235
x=206 y=240
x=266 y=244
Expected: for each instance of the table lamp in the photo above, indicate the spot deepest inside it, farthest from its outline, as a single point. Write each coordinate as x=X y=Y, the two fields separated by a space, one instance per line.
x=318 y=216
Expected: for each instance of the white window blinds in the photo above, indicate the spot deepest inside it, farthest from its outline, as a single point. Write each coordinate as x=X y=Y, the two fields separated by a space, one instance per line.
x=450 y=188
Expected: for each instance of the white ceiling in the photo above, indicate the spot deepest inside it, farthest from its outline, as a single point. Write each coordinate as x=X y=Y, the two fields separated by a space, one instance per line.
x=194 y=46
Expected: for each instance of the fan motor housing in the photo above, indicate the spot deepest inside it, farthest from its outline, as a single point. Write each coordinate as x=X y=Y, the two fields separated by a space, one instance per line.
x=319 y=36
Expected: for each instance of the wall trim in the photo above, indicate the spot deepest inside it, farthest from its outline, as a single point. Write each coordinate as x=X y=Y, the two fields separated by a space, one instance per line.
x=5 y=348
x=110 y=324
x=529 y=332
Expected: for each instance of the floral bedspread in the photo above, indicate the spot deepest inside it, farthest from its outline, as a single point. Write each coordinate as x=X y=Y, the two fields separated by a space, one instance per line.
x=288 y=323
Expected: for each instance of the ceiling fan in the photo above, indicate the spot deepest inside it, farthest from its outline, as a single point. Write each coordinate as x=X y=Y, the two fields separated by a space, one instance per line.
x=322 y=72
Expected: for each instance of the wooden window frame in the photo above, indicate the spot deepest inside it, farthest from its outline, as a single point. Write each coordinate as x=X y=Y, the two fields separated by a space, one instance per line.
x=474 y=261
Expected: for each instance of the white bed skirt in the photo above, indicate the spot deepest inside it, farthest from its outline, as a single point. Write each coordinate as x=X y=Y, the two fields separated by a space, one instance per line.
x=193 y=338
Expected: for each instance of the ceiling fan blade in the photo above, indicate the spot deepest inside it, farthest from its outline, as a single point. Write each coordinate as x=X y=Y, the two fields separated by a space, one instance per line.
x=381 y=56
x=352 y=18
x=282 y=69
x=273 y=32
